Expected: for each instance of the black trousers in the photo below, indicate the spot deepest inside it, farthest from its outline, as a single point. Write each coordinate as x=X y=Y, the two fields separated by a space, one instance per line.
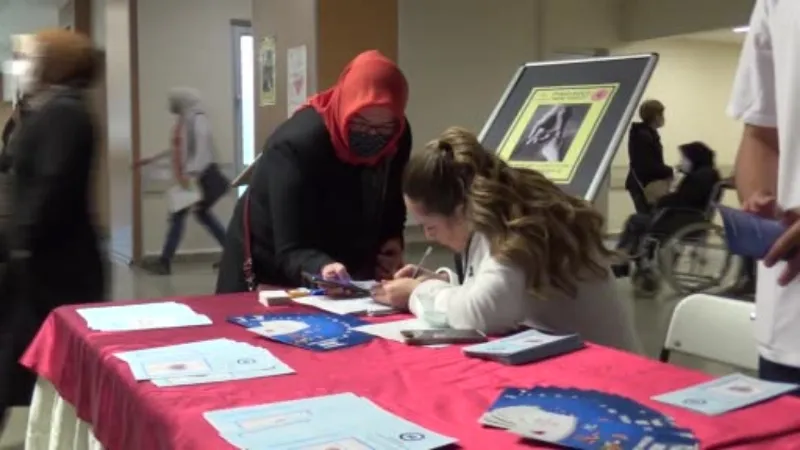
x=639 y=201
x=772 y=371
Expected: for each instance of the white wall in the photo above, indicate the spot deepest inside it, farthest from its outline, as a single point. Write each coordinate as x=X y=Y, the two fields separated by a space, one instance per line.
x=120 y=133
x=99 y=22
x=693 y=79
x=458 y=56
x=22 y=17
x=185 y=43
x=649 y=19
x=458 y=65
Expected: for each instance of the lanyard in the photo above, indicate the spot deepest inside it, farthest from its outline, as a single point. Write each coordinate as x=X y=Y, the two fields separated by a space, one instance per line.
x=462 y=262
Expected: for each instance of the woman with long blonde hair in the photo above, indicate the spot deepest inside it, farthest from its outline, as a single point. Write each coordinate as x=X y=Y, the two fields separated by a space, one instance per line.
x=531 y=254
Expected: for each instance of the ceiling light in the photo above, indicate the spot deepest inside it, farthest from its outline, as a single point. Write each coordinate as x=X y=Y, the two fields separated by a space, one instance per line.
x=743 y=29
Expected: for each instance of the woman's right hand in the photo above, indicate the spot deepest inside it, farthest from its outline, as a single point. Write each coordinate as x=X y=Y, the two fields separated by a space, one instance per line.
x=762 y=204
x=408 y=271
x=335 y=271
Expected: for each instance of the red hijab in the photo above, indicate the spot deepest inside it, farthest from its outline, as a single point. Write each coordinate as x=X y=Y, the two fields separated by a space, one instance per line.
x=370 y=79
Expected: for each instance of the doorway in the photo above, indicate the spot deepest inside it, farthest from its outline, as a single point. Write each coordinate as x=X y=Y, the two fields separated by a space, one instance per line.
x=244 y=106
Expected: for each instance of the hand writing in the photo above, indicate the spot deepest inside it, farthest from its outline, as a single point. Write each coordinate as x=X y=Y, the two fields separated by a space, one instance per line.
x=395 y=293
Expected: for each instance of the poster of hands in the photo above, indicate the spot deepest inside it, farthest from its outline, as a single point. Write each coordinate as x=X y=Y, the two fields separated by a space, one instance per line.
x=552 y=130
x=297 y=78
x=266 y=54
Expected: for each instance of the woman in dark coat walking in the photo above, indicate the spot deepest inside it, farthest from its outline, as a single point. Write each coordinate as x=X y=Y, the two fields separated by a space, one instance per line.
x=326 y=196
x=55 y=248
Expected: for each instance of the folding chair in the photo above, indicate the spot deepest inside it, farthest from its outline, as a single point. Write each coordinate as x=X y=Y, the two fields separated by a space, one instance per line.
x=714 y=328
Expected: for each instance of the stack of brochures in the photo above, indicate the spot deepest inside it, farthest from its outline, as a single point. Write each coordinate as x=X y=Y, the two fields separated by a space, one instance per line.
x=340 y=421
x=144 y=316
x=526 y=347
x=202 y=362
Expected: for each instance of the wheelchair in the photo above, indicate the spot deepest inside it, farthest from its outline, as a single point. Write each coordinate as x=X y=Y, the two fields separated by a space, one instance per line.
x=684 y=248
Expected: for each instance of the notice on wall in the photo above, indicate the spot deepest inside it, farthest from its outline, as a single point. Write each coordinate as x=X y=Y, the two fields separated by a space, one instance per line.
x=297 y=78
x=553 y=129
x=267 y=61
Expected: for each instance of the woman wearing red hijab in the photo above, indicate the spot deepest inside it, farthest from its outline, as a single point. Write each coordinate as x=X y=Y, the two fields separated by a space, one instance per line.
x=325 y=197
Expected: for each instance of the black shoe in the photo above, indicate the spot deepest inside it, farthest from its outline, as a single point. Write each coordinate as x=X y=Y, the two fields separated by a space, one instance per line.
x=645 y=284
x=157 y=267
x=621 y=270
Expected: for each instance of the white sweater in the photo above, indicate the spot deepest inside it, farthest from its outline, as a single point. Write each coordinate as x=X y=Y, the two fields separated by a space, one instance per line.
x=493 y=299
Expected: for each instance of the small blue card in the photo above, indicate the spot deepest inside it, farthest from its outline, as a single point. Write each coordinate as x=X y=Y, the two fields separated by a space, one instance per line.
x=311 y=331
x=725 y=394
x=587 y=420
x=525 y=347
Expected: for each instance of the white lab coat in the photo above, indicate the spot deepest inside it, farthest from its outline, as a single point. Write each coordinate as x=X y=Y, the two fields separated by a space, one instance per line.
x=493 y=299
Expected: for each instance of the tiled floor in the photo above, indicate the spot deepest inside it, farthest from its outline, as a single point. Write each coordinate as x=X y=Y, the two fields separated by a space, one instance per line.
x=652 y=315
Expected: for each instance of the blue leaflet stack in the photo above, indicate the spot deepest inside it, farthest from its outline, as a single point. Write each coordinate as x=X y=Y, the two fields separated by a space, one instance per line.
x=585 y=420
x=311 y=331
x=525 y=347
x=341 y=421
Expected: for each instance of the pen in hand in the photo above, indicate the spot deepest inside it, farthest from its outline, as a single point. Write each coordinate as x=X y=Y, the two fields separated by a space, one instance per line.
x=421 y=262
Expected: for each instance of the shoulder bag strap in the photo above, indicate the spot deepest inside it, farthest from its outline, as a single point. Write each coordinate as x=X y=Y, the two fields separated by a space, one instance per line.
x=247 y=266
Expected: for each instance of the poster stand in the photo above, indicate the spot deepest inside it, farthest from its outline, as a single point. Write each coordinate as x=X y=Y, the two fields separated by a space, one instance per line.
x=566 y=118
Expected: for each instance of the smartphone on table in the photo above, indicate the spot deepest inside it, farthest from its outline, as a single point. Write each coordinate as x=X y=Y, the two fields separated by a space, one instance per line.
x=341 y=288
x=442 y=336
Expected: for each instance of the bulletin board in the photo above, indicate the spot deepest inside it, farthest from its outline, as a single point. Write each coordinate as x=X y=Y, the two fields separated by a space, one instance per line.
x=566 y=119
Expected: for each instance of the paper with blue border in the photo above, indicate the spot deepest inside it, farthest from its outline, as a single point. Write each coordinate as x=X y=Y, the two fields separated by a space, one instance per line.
x=341 y=421
x=725 y=394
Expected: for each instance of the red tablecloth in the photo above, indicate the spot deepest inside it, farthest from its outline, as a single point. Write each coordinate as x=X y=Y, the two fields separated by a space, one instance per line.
x=437 y=388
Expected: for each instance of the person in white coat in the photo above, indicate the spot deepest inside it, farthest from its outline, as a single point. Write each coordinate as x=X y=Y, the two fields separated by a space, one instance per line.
x=530 y=254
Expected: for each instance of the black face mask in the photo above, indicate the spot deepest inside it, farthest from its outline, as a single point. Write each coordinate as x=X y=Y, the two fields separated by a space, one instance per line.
x=367 y=145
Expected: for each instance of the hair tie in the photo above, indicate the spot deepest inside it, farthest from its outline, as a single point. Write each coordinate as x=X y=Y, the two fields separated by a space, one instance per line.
x=446 y=148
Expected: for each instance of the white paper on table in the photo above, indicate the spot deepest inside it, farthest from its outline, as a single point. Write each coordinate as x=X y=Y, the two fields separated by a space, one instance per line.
x=179 y=198
x=391 y=330
x=141 y=317
x=343 y=306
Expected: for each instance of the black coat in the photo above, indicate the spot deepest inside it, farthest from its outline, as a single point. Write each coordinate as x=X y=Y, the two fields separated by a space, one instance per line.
x=56 y=256
x=308 y=209
x=646 y=157
x=697 y=186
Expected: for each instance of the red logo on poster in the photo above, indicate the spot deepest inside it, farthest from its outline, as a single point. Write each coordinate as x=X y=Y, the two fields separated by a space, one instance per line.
x=600 y=95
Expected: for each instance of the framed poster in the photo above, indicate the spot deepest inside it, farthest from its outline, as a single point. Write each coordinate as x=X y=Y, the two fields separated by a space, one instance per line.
x=297 y=78
x=267 y=61
x=566 y=118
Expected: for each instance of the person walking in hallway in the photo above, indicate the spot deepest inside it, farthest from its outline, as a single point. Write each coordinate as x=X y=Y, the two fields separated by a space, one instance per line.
x=649 y=177
x=56 y=256
x=194 y=166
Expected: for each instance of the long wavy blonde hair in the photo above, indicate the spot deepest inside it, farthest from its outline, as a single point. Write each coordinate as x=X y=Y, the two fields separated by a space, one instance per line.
x=529 y=221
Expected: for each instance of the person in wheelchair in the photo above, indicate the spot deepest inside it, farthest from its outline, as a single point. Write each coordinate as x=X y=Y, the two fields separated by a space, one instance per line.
x=686 y=204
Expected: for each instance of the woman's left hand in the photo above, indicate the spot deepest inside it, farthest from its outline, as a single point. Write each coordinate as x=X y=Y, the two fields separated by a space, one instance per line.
x=395 y=293
x=390 y=259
